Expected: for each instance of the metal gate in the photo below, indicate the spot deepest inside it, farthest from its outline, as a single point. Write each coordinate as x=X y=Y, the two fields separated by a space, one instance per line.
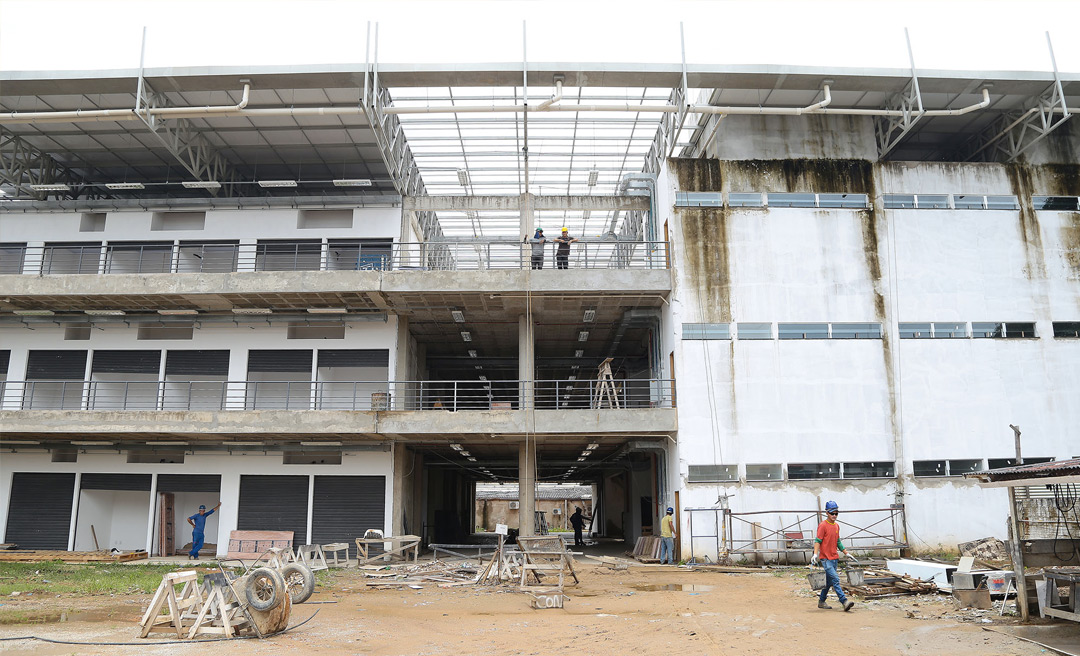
x=346 y=506
x=39 y=513
x=274 y=503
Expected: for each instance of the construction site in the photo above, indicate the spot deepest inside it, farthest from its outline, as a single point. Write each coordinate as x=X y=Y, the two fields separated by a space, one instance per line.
x=574 y=314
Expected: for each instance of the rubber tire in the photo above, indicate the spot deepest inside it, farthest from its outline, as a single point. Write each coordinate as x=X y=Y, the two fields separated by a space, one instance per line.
x=257 y=582
x=300 y=581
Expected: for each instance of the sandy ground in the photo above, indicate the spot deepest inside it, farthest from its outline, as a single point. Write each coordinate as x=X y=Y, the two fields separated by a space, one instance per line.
x=644 y=609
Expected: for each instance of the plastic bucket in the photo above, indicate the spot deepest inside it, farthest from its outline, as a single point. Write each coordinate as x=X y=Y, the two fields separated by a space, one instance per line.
x=817 y=579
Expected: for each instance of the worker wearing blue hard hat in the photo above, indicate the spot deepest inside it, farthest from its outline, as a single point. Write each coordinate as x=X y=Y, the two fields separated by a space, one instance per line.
x=827 y=550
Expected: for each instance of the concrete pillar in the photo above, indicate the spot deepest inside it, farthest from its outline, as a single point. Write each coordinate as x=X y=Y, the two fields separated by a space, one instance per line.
x=528 y=215
x=527 y=487
x=229 y=513
x=399 y=368
x=236 y=387
x=526 y=361
x=403 y=464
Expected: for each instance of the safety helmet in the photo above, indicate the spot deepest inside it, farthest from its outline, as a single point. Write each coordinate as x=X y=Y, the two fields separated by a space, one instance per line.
x=830 y=506
x=565 y=229
x=540 y=230
x=670 y=511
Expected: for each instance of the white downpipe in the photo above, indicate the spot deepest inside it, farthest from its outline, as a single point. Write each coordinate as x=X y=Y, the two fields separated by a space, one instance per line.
x=785 y=111
x=552 y=100
x=80 y=115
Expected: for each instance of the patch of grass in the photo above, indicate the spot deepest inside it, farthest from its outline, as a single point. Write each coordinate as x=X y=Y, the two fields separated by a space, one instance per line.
x=58 y=578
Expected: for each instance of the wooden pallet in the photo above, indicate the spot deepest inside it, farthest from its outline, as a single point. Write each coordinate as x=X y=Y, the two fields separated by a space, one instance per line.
x=40 y=555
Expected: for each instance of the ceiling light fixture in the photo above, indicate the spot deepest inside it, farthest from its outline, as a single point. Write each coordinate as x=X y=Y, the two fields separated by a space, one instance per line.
x=458 y=315
x=593 y=445
x=581 y=459
x=104 y=313
x=573 y=377
x=472 y=353
x=118 y=186
x=471 y=459
x=34 y=313
x=483 y=377
x=466 y=335
x=466 y=454
x=456 y=447
x=593 y=175
x=463 y=177
x=320 y=444
x=178 y=312
x=277 y=183
x=201 y=184
x=166 y=444
x=50 y=187
x=583 y=336
x=91 y=443
x=478 y=366
x=252 y=311
x=355 y=182
x=586 y=454
x=590 y=315
x=578 y=353
x=331 y=310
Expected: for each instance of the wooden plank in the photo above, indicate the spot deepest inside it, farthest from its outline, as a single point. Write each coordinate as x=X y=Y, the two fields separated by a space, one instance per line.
x=34 y=556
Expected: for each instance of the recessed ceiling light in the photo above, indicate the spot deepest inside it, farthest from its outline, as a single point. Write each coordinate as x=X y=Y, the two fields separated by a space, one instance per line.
x=35 y=313
x=91 y=443
x=581 y=459
x=355 y=182
x=252 y=311
x=472 y=353
x=117 y=186
x=104 y=313
x=277 y=183
x=583 y=336
x=578 y=353
x=50 y=187
x=471 y=459
x=201 y=184
x=483 y=377
x=333 y=310
x=463 y=177
x=458 y=315
x=456 y=447
x=585 y=454
x=466 y=335
x=466 y=454
x=593 y=175
x=594 y=445
x=178 y=312
x=478 y=366
x=589 y=316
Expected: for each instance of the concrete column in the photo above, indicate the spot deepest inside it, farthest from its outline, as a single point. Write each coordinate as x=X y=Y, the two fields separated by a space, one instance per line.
x=403 y=463
x=228 y=514
x=526 y=361
x=12 y=398
x=236 y=388
x=528 y=215
x=527 y=487
x=399 y=368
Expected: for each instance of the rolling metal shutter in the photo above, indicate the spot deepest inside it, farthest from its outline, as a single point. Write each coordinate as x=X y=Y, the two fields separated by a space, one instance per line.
x=189 y=483
x=126 y=362
x=56 y=365
x=279 y=360
x=115 y=482
x=354 y=358
x=39 y=514
x=274 y=503
x=197 y=363
x=5 y=357
x=345 y=507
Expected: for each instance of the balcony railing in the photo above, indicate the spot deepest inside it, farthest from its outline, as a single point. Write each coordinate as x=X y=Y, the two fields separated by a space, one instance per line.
x=227 y=257
x=446 y=395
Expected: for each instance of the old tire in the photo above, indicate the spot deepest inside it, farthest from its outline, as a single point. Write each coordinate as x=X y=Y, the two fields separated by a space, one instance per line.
x=300 y=582
x=265 y=589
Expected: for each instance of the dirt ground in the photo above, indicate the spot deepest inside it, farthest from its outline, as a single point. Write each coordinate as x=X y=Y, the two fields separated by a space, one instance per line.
x=643 y=609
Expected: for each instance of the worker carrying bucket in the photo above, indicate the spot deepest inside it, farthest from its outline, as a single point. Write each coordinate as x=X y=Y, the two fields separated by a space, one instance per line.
x=828 y=549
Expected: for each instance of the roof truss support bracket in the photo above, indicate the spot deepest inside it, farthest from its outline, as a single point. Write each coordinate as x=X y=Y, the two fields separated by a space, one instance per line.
x=22 y=165
x=891 y=130
x=1013 y=134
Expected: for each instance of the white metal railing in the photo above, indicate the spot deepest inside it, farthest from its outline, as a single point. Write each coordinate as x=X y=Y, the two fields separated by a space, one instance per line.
x=449 y=395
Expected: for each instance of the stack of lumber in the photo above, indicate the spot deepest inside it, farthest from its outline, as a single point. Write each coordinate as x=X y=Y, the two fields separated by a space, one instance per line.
x=38 y=555
x=878 y=583
x=647 y=549
x=416 y=576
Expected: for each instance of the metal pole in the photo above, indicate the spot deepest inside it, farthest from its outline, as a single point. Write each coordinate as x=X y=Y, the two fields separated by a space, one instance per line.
x=1017 y=550
x=1057 y=78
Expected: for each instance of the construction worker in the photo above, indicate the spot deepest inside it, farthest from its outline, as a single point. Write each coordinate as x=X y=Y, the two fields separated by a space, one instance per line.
x=826 y=545
x=198 y=526
x=577 y=520
x=562 y=253
x=667 y=538
x=536 y=243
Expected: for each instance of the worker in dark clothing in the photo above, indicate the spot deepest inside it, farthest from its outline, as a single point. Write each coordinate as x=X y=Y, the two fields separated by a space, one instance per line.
x=562 y=253
x=577 y=520
x=198 y=526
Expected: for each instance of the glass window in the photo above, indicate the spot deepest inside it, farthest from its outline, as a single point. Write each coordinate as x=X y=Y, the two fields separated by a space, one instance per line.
x=961 y=467
x=755 y=331
x=804 y=471
x=987 y=329
x=764 y=472
x=698 y=199
x=915 y=331
x=1019 y=330
x=1000 y=463
x=706 y=331
x=1067 y=329
x=884 y=469
x=856 y=331
x=1002 y=203
x=1059 y=203
x=950 y=330
x=932 y=201
x=853 y=201
x=968 y=202
x=803 y=331
x=929 y=468
x=792 y=200
x=899 y=201
x=712 y=473
x=738 y=199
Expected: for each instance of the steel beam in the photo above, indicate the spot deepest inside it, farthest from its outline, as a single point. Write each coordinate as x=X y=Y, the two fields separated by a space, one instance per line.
x=513 y=203
x=22 y=165
x=1014 y=133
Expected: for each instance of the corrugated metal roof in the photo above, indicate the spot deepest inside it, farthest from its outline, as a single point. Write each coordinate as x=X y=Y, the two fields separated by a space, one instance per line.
x=1057 y=468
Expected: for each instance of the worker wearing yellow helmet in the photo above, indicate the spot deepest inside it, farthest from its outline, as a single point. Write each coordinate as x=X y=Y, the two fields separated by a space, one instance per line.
x=562 y=255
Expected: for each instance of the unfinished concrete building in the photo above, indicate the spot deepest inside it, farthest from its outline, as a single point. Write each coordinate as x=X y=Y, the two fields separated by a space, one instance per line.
x=304 y=292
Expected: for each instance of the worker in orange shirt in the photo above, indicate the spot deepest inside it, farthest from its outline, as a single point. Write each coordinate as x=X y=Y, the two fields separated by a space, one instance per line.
x=827 y=550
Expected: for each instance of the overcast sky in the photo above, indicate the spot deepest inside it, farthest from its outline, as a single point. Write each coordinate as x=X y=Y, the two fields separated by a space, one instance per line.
x=104 y=34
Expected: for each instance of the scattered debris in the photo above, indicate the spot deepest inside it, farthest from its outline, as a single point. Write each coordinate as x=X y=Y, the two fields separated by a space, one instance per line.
x=877 y=584
x=37 y=555
x=991 y=549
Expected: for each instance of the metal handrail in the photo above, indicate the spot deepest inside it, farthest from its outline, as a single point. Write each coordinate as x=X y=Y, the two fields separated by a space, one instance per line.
x=372 y=395
x=332 y=255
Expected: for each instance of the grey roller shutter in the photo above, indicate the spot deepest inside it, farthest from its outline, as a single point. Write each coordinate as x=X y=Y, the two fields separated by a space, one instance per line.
x=197 y=363
x=115 y=482
x=354 y=358
x=274 y=503
x=39 y=514
x=189 y=483
x=5 y=358
x=56 y=365
x=279 y=360
x=126 y=362
x=345 y=507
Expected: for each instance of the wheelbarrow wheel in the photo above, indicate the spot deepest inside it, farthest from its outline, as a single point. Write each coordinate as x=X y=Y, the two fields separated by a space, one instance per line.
x=265 y=589
x=300 y=582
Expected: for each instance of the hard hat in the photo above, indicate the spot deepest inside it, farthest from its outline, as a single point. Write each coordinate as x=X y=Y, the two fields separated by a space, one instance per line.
x=565 y=229
x=670 y=510
x=831 y=506
x=202 y=507
x=539 y=229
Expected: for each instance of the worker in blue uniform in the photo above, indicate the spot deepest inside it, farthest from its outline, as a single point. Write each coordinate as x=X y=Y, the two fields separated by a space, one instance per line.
x=198 y=526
